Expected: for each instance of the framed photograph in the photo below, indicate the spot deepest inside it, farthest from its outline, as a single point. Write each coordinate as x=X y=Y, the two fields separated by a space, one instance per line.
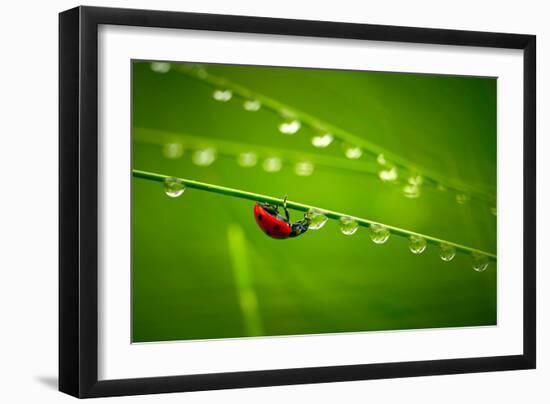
x=251 y=201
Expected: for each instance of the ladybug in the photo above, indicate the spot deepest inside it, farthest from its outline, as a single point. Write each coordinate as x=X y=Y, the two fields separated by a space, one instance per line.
x=277 y=226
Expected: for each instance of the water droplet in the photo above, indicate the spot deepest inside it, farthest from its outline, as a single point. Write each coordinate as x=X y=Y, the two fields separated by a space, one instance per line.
x=417 y=244
x=222 y=95
x=172 y=150
x=160 y=67
x=173 y=187
x=388 y=175
x=304 y=168
x=378 y=233
x=322 y=141
x=348 y=225
x=290 y=126
x=411 y=191
x=494 y=211
x=316 y=219
x=441 y=187
x=204 y=157
x=446 y=252
x=480 y=262
x=252 y=105
x=202 y=73
x=247 y=159
x=272 y=164
x=381 y=160
x=415 y=180
x=461 y=199
x=352 y=152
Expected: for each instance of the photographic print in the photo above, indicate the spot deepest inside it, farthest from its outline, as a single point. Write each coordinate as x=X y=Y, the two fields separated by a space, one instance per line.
x=283 y=201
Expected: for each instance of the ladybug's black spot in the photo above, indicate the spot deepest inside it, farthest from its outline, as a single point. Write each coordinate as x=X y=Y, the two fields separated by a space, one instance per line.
x=277 y=227
x=260 y=217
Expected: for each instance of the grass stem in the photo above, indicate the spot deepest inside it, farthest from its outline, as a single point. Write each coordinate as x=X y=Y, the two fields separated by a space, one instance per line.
x=237 y=193
x=343 y=135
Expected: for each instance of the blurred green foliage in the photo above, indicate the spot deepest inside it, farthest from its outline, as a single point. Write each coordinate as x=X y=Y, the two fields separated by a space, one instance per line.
x=203 y=269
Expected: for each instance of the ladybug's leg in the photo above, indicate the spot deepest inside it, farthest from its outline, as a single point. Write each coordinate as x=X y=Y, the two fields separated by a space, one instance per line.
x=273 y=209
x=286 y=210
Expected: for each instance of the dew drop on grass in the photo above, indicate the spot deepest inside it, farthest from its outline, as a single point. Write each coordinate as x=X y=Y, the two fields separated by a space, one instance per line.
x=352 y=152
x=252 y=105
x=446 y=252
x=411 y=191
x=173 y=187
x=272 y=164
x=204 y=157
x=415 y=180
x=417 y=244
x=381 y=160
x=379 y=234
x=461 y=199
x=160 y=67
x=222 y=95
x=172 y=150
x=322 y=141
x=304 y=168
x=389 y=175
x=289 y=126
x=316 y=219
x=247 y=159
x=348 y=226
x=480 y=262
x=202 y=73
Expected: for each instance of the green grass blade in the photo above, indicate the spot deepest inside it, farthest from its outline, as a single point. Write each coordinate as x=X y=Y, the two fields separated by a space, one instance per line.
x=303 y=208
x=238 y=250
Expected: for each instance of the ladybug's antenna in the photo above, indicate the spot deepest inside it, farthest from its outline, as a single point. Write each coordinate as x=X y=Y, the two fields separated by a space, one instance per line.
x=286 y=210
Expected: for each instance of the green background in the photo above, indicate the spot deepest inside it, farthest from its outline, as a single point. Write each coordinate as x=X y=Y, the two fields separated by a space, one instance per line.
x=203 y=269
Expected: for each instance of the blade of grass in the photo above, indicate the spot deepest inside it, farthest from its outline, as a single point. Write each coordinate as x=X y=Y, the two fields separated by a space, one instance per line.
x=238 y=251
x=339 y=133
x=303 y=208
x=233 y=149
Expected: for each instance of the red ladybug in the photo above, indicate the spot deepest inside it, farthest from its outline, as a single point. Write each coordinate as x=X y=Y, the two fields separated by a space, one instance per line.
x=275 y=225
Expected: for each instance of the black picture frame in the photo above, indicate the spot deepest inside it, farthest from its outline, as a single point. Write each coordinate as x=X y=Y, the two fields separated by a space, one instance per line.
x=78 y=201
